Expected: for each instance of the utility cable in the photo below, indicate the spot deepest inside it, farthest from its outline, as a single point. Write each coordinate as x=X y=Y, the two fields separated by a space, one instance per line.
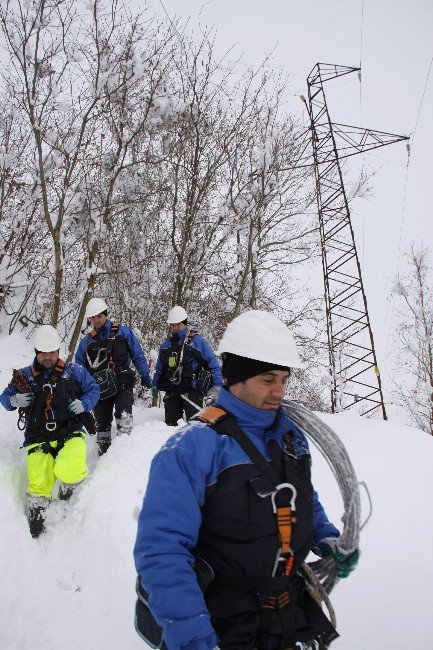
x=390 y=318
x=334 y=452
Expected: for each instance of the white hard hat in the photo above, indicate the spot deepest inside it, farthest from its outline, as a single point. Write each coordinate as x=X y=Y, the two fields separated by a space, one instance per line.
x=261 y=336
x=46 y=339
x=177 y=314
x=95 y=306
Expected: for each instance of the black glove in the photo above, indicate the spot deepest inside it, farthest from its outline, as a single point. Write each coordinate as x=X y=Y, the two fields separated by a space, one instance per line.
x=145 y=382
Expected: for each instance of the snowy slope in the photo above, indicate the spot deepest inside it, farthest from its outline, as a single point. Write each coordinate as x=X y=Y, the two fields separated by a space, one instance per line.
x=74 y=587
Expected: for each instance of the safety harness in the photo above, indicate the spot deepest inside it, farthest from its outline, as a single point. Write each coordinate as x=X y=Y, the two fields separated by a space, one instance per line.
x=278 y=592
x=176 y=377
x=107 y=350
x=284 y=495
x=50 y=421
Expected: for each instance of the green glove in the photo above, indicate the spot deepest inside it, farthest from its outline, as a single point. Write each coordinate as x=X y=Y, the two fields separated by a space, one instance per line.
x=346 y=560
x=154 y=392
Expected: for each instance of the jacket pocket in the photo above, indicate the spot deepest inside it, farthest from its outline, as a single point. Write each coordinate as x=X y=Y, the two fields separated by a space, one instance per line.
x=239 y=507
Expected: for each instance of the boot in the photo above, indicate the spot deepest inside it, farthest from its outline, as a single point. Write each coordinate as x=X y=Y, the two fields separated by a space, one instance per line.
x=66 y=490
x=103 y=441
x=124 y=423
x=35 y=512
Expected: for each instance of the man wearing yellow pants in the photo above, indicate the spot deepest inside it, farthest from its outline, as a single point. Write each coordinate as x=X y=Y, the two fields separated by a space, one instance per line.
x=51 y=396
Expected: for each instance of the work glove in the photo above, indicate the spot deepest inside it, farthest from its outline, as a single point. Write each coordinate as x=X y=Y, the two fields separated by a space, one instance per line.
x=21 y=400
x=154 y=392
x=145 y=382
x=76 y=407
x=346 y=560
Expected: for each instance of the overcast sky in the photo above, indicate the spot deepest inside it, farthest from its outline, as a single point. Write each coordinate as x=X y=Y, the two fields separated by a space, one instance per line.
x=392 y=41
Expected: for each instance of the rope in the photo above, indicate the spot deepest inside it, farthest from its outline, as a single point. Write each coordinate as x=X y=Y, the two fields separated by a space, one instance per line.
x=318 y=592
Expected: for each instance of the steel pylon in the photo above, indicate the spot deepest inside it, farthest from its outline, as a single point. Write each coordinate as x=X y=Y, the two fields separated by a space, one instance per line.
x=355 y=377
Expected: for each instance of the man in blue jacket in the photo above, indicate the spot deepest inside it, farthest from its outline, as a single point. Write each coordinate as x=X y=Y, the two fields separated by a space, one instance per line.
x=210 y=503
x=51 y=396
x=186 y=369
x=106 y=352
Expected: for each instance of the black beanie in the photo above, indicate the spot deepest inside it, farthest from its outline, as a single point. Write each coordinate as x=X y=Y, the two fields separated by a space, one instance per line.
x=236 y=368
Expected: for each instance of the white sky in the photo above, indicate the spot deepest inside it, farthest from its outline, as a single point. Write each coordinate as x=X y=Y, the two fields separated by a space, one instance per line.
x=392 y=40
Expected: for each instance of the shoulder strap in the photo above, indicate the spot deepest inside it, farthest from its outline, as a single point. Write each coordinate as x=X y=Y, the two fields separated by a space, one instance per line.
x=55 y=375
x=224 y=422
x=34 y=372
x=111 y=336
x=196 y=353
x=58 y=370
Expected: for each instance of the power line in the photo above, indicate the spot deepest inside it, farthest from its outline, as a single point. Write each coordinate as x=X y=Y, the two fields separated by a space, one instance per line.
x=391 y=303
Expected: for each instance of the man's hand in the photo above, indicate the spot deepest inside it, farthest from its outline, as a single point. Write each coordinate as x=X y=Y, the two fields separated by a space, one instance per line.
x=346 y=560
x=21 y=400
x=145 y=382
x=76 y=407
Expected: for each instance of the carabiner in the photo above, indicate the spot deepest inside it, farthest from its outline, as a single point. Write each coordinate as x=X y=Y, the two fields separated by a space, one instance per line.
x=283 y=486
x=177 y=376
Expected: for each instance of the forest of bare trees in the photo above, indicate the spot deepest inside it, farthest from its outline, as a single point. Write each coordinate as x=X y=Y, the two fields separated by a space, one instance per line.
x=138 y=166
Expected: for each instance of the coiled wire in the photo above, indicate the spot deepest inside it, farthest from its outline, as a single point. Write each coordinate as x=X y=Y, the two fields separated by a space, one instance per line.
x=322 y=574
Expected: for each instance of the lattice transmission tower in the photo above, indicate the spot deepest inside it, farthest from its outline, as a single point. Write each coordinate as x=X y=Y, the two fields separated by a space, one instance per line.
x=355 y=378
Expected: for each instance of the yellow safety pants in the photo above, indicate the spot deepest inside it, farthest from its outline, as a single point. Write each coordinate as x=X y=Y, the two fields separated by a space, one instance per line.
x=68 y=466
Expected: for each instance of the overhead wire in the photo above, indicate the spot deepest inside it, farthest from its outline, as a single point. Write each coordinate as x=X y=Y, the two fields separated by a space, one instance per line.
x=391 y=301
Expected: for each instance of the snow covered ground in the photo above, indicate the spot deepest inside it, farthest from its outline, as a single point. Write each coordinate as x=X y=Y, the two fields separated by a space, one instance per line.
x=74 y=587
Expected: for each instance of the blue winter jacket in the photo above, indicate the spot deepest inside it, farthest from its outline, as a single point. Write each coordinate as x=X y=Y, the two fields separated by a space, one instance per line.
x=170 y=519
x=205 y=353
x=89 y=389
x=135 y=351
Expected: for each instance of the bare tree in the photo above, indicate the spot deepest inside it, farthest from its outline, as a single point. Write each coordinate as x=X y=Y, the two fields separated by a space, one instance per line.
x=83 y=81
x=414 y=386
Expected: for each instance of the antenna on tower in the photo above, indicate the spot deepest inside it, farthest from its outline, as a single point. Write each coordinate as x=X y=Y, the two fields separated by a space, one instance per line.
x=355 y=378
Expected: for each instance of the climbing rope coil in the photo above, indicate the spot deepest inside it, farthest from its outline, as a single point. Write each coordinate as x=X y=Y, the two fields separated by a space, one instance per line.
x=322 y=574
